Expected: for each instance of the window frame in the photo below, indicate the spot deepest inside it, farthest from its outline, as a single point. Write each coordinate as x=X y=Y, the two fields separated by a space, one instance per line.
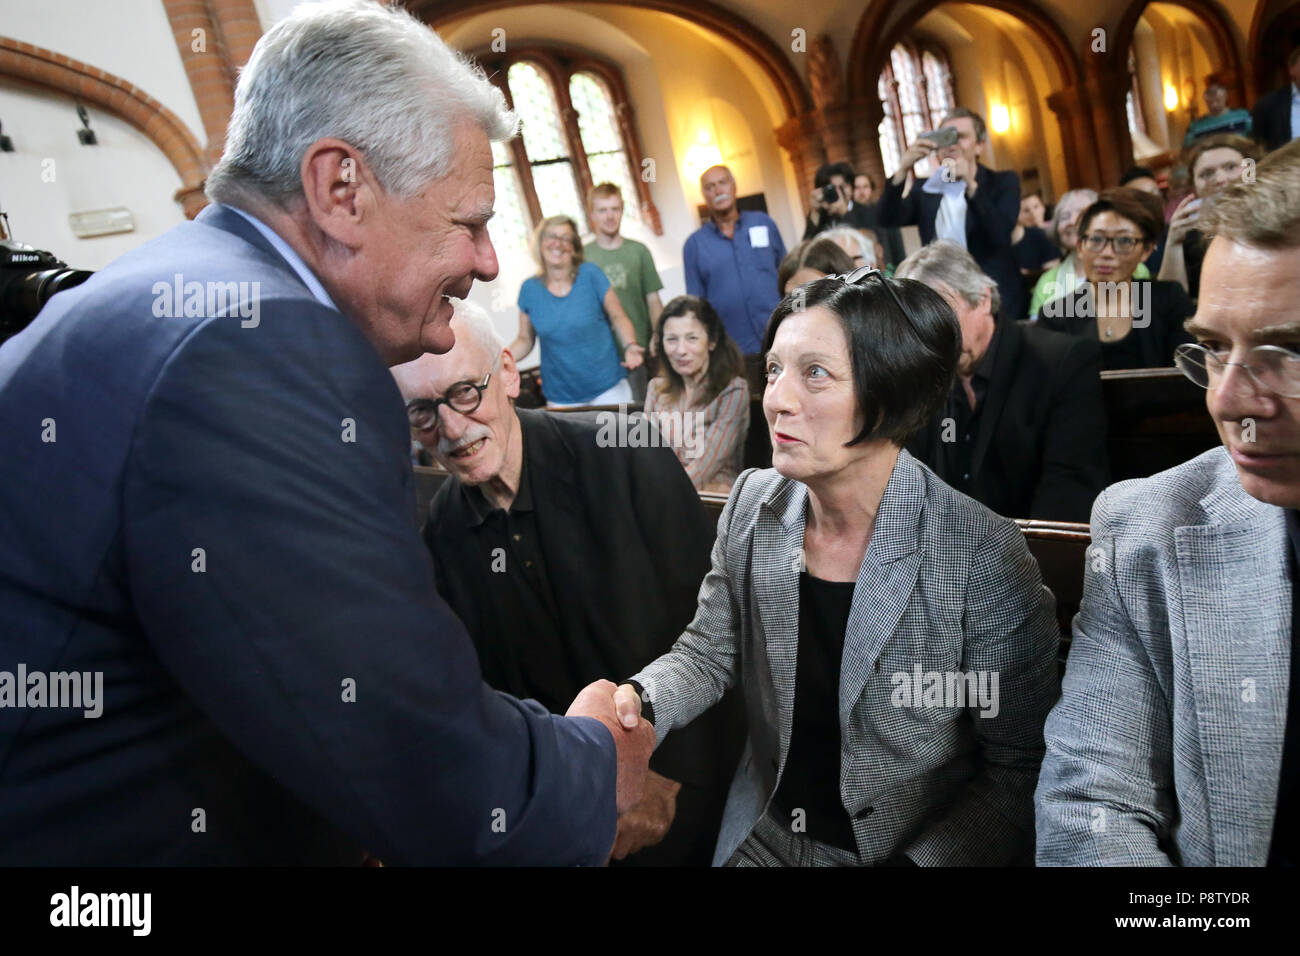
x=892 y=105
x=558 y=65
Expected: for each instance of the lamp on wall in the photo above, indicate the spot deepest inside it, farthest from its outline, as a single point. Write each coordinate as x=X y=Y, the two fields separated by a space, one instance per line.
x=85 y=134
x=1000 y=118
x=1171 y=97
x=702 y=154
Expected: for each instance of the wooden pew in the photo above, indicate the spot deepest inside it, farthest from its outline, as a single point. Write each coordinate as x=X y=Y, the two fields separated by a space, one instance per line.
x=1155 y=419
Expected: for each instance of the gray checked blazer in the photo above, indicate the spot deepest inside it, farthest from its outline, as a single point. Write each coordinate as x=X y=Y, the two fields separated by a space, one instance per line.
x=1166 y=746
x=946 y=585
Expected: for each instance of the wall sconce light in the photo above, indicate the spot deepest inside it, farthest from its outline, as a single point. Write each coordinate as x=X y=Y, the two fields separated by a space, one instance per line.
x=1171 y=97
x=6 y=144
x=85 y=134
x=702 y=154
x=1000 y=118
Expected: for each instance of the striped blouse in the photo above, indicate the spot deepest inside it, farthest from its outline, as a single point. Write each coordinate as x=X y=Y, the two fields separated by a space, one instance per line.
x=709 y=441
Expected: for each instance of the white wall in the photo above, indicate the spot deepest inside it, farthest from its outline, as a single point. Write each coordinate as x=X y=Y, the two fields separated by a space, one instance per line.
x=128 y=38
x=125 y=169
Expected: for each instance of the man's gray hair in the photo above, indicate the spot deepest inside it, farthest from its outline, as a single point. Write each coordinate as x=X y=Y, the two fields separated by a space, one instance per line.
x=1089 y=196
x=945 y=261
x=371 y=75
x=472 y=321
x=852 y=239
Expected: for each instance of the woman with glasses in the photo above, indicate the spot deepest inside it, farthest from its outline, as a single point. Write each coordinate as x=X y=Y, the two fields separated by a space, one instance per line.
x=1139 y=322
x=701 y=399
x=893 y=639
x=571 y=306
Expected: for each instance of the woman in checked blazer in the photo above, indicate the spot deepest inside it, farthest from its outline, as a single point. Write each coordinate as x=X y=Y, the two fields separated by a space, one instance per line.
x=892 y=638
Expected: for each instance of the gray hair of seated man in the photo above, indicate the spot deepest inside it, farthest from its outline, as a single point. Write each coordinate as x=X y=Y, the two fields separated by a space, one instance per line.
x=471 y=322
x=945 y=261
x=854 y=242
x=359 y=71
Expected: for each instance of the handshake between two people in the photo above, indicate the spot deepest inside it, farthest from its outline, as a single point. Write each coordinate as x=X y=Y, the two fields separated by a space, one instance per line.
x=647 y=801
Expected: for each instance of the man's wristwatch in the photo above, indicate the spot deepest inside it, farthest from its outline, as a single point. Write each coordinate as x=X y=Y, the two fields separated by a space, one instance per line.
x=647 y=708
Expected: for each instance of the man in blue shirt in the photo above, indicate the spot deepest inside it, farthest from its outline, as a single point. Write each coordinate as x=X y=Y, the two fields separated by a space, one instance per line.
x=732 y=261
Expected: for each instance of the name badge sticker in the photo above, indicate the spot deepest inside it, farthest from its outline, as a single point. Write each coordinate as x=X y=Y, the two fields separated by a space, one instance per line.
x=758 y=237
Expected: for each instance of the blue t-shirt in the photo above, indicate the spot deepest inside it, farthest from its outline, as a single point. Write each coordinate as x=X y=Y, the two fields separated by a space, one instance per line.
x=738 y=275
x=579 y=360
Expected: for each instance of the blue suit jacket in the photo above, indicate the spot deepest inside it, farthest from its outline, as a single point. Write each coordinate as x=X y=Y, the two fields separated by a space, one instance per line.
x=293 y=692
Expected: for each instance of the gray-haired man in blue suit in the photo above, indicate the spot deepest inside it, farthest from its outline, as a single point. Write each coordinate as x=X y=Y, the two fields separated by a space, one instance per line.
x=1177 y=737
x=206 y=510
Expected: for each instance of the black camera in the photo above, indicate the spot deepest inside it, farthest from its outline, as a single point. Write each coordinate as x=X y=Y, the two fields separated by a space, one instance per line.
x=28 y=277
x=830 y=194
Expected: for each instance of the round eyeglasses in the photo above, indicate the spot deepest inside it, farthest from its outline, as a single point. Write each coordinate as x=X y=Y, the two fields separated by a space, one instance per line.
x=1271 y=367
x=464 y=397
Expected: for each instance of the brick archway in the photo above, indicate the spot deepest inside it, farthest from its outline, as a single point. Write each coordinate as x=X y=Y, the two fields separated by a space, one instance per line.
x=61 y=74
x=1213 y=18
x=795 y=98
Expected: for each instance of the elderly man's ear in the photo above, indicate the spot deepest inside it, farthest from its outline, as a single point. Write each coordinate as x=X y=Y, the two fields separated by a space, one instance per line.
x=509 y=374
x=340 y=190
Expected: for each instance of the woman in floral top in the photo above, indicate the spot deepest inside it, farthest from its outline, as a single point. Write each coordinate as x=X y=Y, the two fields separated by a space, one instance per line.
x=700 y=401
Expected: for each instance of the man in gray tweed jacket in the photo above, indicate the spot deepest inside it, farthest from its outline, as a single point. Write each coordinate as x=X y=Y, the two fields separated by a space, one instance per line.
x=1177 y=737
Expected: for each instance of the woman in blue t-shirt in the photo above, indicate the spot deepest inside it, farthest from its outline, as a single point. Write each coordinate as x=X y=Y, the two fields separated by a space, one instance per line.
x=570 y=305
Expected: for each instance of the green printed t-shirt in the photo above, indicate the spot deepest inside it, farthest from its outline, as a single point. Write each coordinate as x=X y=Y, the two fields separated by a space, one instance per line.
x=632 y=274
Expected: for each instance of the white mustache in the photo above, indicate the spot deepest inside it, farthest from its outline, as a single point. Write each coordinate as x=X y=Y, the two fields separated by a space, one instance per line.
x=446 y=447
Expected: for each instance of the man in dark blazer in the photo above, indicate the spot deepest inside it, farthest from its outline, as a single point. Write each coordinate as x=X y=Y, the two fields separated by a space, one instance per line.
x=573 y=549
x=1024 y=430
x=1273 y=120
x=964 y=201
x=207 y=499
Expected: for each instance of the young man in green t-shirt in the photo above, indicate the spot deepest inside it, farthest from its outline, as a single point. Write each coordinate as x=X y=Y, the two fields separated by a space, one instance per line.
x=629 y=268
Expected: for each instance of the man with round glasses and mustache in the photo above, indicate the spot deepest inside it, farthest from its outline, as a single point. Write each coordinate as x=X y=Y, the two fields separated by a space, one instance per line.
x=1177 y=736
x=570 y=558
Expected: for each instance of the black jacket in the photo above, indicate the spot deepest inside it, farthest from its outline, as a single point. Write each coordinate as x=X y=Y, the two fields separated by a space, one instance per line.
x=626 y=544
x=1040 y=451
x=1270 y=120
x=990 y=219
x=1150 y=347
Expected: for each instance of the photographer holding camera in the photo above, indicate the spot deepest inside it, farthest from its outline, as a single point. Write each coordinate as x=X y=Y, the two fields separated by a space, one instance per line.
x=831 y=201
x=963 y=200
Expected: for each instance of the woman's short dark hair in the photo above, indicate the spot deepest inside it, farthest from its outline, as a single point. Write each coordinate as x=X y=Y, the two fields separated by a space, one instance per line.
x=821 y=254
x=903 y=365
x=1140 y=208
x=725 y=361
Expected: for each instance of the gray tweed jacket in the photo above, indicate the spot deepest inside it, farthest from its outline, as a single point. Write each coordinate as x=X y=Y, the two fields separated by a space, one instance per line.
x=1166 y=745
x=946 y=586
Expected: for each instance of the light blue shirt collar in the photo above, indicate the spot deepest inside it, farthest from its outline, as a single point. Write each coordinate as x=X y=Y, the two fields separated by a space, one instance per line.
x=295 y=261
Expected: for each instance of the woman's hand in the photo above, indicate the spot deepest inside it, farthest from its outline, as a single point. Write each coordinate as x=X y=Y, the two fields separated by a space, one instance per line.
x=1184 y=218
x=633 y=356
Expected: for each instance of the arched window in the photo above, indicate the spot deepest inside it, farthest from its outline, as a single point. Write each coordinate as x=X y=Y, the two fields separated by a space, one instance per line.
x=916 y=92
x=576 y=130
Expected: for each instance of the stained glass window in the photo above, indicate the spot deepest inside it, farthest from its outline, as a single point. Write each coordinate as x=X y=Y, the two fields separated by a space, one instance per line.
x=890 y=150
x=508 y=229
x=606 y=157
x=938 y=87
x=910 y=106
x=543 y=136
